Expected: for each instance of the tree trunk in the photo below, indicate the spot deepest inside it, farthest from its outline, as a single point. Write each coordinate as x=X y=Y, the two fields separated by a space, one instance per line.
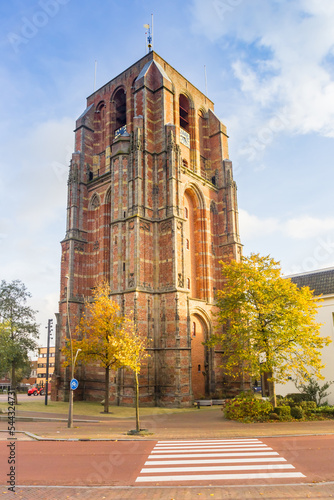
x=13 y=382
x=106 y=397
x=272 y=391
x=243 y=378
x=137 y=402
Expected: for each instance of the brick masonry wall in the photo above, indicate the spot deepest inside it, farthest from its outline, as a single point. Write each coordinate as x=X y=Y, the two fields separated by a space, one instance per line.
x=126 y=223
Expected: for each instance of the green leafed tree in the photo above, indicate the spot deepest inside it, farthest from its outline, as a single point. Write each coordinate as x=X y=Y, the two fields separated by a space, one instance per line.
x=18 y=329
x=266 y=324
x=107 y=337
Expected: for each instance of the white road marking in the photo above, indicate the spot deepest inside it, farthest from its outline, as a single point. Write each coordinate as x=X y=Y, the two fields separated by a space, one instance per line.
x=214 y=468
x=238 y=455
x=203 y=450
x=218 y=477
x=216 y=461
x=211 y=441
x=203 y=446
x=198 y=455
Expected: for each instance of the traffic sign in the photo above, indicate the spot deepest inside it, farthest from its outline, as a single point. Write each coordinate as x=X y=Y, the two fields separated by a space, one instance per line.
x=74 y=384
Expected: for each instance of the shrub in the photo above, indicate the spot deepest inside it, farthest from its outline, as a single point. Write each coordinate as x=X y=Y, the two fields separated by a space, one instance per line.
x=328 y=410
x=247 y=409
x=308 y=406
x=286 y=402
x=312 y=391
x=296 y=397
x=283 y=411
x=245 y=395
x=273 y=416
x=297 y=412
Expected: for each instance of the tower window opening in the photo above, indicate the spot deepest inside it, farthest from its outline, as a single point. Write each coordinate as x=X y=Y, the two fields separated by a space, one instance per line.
x=184 y=112
x=199 y=368
x=120 y=107
x=187 y=244
x=185 y=163
x=185 y=212
x=188 y=283
x=193 y=330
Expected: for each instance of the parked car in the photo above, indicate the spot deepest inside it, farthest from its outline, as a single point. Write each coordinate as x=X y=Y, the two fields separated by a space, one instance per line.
x=36 y=391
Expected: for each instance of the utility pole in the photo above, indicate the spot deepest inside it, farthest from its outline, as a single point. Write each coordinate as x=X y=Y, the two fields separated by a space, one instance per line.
x=50 y=322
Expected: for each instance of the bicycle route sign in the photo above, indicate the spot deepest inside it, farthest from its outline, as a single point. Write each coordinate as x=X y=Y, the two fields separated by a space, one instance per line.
x=74 y=384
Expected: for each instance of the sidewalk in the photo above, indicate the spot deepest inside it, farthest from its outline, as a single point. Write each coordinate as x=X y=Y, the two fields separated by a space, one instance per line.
x=199 y=424
x=265 y=492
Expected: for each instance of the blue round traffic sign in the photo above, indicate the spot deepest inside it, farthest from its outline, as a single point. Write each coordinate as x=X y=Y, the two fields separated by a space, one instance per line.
x=74 y=384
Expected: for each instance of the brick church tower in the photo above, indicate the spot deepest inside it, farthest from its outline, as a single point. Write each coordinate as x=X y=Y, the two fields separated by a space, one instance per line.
x=152 y=209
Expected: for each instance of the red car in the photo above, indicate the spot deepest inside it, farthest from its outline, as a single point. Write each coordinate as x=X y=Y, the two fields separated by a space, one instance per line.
x=36 y=391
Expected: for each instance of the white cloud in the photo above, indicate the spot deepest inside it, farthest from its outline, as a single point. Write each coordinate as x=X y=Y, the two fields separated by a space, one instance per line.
x=252 y=226
x=301 y=244
x=298 y=228
x=44 y=171
x=285 y=71
x=305 y=227
x=35 y=190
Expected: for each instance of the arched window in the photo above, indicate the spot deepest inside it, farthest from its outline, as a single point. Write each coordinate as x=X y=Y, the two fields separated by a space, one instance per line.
x=188 y=283
x=202 y=142
x=201 y=131
x=99 y=127
x=193 y=330
x=185 y=212
x=184 y=112
x=120 y=108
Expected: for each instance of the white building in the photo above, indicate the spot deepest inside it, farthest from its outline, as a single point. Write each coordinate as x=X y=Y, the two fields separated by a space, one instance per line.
x=321 y=282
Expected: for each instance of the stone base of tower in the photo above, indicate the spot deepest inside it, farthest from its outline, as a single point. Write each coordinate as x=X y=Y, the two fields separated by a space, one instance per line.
x=122 y=390
x=180 y=368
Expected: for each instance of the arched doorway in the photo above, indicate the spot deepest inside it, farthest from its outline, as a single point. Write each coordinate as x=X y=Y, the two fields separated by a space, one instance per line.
x=199 y=356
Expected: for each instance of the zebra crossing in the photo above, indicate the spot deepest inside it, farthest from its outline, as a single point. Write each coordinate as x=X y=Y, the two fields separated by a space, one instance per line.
x=214 y=460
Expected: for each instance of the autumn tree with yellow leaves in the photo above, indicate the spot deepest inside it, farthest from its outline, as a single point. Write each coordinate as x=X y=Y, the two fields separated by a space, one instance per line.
x=266 y=324
x=105 y=336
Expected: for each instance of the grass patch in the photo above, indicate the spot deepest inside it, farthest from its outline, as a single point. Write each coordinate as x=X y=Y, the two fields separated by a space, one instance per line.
x=94 y=409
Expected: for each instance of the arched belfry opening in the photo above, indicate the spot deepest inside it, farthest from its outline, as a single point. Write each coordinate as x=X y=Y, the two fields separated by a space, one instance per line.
x=191 y=264
x=184 y=112
x=195 y=243
x=120 y=108
x=99 y=127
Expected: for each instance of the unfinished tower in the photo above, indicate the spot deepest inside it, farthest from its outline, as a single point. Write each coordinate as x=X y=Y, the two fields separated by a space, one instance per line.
x=152 y=209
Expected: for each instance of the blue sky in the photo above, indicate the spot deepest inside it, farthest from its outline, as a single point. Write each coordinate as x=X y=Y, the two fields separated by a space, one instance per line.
x=270 y=73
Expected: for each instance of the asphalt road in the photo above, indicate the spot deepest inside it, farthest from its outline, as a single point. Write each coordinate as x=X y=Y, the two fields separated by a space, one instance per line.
x=290 y=460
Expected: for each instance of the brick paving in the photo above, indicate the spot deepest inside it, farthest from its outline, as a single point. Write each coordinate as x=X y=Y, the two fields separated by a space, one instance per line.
x=323 y=491
x=199 y=424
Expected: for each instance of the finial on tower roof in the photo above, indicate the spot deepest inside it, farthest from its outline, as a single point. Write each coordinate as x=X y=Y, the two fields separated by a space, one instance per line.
x=149 y=33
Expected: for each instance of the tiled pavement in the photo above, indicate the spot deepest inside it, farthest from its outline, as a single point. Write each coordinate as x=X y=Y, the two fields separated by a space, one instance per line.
x=295 y=492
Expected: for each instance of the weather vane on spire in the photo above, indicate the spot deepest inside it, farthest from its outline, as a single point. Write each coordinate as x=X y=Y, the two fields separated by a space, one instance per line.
x=149 y=33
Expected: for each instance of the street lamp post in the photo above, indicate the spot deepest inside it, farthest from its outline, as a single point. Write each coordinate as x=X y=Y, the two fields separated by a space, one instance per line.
x=50 y=321
x=70 y=409
x=73 y=361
